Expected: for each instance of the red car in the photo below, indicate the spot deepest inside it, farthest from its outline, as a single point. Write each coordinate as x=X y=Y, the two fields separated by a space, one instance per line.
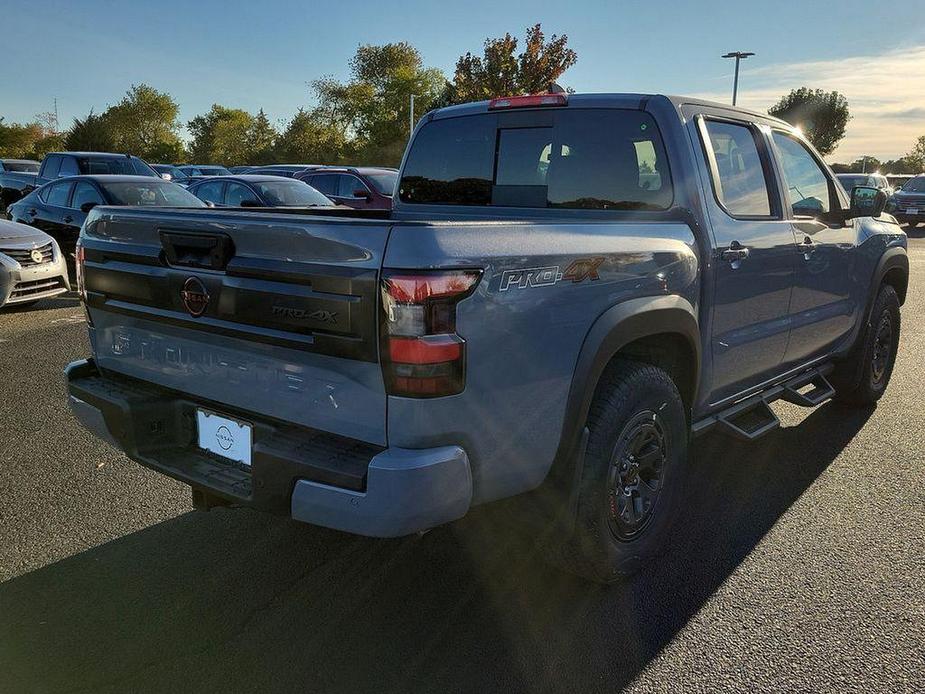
x=362 y=188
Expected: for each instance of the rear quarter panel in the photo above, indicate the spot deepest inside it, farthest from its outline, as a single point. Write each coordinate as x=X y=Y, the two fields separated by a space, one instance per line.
x=523 y=337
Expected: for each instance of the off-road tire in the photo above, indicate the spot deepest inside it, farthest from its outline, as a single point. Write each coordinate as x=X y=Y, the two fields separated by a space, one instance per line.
x=630 y=395
x=861 y=379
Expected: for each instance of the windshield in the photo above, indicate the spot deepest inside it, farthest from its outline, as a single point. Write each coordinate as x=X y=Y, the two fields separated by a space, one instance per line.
x=130 y=166
x=22 y=166
x=214 y=171
x=849 y=182
x=384 y=182
x=154 y=194
x=288 y=193
x=915 y=185
x=600 y=159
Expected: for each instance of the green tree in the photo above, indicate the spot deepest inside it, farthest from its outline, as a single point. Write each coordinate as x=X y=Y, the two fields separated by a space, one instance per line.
x=145 y=124
x=822 y=116
x=310 y=138
x=18 y=141
x=93 y=133
x=366 y=119
x=915 y=158
x=220 y=136
x=499 y=72
x=261 y=138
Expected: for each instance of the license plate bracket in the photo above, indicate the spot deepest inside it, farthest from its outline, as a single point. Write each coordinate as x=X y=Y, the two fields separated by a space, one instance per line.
x=224 y=436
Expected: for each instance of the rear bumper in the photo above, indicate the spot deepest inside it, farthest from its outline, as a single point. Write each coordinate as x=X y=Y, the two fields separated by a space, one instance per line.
x=312 y=477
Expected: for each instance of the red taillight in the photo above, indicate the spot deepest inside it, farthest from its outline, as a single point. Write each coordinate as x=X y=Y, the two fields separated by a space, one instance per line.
x=529 y=101
x=422 y=355
x=79 y=262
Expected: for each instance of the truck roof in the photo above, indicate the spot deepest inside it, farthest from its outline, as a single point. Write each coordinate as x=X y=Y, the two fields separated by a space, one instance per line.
x=612 y=100
x=113 y=155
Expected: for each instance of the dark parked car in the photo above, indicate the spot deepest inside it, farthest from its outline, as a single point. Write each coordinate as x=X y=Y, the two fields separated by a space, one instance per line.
x=14 y=184
x=59 y=208
x=169 y=172
x=19 y=165
x=363 y=188
x=286 y=170
x=239 y=169
x=908 y=202
x=258 y=191
x=193 y=170
x=850 y=181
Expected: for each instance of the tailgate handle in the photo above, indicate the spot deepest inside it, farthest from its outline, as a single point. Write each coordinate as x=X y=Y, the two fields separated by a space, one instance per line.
x=208 y=251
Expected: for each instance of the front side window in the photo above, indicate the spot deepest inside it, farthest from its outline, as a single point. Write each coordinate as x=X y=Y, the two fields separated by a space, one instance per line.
x=914 y=185
x=349 y=185
x=600 y=159
x=384 y=182
x=236 y=193
x=85 y=192
x=739 y=178
x=806 y=182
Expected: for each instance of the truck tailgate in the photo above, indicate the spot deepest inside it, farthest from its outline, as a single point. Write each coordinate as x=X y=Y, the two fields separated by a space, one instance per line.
x=261 y=312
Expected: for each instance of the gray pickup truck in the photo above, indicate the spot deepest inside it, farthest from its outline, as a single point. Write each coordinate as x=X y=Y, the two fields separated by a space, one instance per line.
x=568 y=290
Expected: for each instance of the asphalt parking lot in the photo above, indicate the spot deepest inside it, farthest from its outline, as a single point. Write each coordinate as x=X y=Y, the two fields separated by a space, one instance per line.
x=798 y=565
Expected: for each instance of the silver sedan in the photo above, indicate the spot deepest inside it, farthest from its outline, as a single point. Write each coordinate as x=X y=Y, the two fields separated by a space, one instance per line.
x=32 y=266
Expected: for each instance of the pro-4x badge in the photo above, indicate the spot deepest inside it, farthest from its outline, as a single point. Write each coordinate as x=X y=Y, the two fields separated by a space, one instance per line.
x=578 y=271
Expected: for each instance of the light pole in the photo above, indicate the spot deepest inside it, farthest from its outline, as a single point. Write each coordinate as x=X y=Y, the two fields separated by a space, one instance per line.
x=411 y=124
x=738 y=55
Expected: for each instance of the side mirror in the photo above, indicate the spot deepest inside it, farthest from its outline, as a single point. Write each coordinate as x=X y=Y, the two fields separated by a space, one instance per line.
x=867 y=201
x=166 y=176
x=250 y=202
x=209 y=203
x=87 y=206
x=362 y=193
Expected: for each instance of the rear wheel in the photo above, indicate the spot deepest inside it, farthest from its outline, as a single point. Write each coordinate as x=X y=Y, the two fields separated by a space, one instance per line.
x=863 y=377
x=631 y=484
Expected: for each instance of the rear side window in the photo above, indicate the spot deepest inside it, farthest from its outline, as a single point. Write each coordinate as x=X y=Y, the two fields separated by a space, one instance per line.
x=738 y=177
x=57 y=193
x=52 y=164
x=85 y=192
x=578 y=159
x=68 y=167
x=326 y=184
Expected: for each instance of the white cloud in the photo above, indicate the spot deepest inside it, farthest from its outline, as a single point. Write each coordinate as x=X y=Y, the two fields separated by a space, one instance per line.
x=886 y=96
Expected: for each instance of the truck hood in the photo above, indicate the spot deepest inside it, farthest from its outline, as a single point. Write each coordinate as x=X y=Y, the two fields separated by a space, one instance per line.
x=20 y=232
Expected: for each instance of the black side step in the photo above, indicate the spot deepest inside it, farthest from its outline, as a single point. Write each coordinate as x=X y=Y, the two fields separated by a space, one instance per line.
x=820 y=390
x=752 y=417
x=749 y=421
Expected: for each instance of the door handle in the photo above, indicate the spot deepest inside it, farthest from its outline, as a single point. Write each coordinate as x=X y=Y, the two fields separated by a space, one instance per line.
x=32 y=212
x=807 y=247
x=735 y=252
x=68 y=219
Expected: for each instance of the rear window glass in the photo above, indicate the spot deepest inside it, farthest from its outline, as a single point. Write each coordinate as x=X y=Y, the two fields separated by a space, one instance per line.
x=580 y=159
x=131 y=166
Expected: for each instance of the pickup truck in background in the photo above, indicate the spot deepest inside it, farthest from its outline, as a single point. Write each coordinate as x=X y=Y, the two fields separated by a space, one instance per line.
x=568 y=289
x=19 y=165
x=14 y=184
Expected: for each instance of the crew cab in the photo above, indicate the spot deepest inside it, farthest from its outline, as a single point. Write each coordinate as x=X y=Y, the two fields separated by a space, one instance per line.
x=16 y=184
x=568 y=290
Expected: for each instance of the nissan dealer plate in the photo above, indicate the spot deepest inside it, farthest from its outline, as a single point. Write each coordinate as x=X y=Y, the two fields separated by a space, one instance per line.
x=225 y=437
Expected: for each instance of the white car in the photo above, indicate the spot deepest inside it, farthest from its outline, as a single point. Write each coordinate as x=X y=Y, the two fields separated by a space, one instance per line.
x=32 y=266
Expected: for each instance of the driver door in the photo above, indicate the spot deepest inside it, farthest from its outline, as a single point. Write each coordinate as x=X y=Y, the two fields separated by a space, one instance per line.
x=826 y=300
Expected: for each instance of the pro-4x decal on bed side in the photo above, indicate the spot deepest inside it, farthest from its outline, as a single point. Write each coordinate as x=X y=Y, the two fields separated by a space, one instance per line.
x=578 y=271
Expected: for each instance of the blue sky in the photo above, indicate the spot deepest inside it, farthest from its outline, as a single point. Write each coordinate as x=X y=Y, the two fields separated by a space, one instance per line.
x=262 y=54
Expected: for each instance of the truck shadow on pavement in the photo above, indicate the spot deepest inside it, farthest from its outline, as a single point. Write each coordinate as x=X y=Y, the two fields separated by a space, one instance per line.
x=236 y=601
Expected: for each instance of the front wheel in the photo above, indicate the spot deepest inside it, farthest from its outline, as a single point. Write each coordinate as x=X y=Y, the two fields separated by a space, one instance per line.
x=631 y=484
x=863 y=377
